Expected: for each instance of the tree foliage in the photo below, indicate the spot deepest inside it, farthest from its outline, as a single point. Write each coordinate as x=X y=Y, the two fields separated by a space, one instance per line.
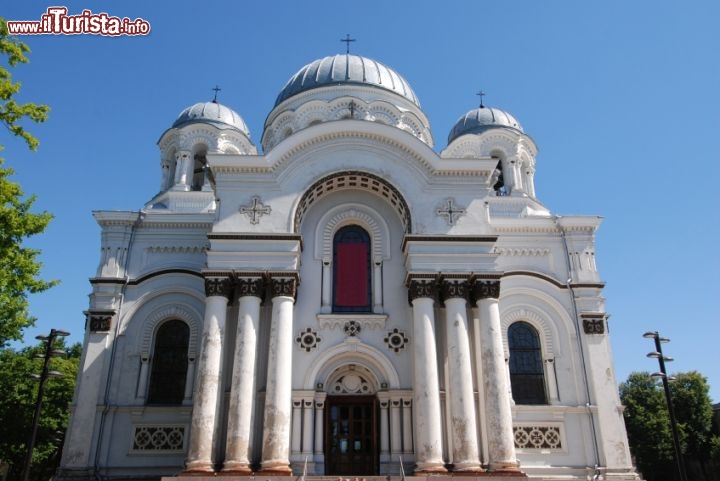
x=17 y=405
x=648 y=426
x=19 y=265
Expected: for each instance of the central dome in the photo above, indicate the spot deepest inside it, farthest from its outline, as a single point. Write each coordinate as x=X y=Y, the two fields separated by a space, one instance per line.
x=346 y=69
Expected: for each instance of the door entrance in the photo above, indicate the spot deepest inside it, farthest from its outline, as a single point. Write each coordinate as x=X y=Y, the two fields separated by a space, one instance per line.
x=351 y=436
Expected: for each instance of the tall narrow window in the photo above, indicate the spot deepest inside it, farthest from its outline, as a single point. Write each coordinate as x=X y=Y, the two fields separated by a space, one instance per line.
x=351 y=270
x=527 y=377
x=169 y=363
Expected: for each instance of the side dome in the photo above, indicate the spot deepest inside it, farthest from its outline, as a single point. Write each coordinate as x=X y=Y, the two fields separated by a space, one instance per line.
x=213 y=113
x=346 y=69
x=481 y=119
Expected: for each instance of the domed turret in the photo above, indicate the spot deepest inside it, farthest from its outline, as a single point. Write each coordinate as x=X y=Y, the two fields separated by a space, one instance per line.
x=213 y=113
x=346 y=69
x=481 y=119
x=345 y=87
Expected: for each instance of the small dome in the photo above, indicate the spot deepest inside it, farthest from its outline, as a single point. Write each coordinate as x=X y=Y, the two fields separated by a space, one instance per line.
x=481 y=119
x=213 y=113
x=346 y=69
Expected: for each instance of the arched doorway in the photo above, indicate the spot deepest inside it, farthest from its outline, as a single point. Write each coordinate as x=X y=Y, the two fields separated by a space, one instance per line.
x=351 y=423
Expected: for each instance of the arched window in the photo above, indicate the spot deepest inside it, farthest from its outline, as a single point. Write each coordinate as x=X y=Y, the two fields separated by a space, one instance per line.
x=527 y=377
x=169 y=363
x=351 y=270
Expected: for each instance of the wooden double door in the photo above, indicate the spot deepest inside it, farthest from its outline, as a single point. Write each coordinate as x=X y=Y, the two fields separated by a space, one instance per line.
x=351 y=436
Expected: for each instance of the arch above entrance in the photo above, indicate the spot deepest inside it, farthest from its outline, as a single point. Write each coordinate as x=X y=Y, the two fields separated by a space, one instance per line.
x=354 y=180
x=352 y=352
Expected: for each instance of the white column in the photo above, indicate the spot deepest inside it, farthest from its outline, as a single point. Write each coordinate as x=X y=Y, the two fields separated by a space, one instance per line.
x=326 y=286
x=377 y=285
x=395 y=429
x=466 y=456
x=307 y=439
x=189 y=380
x=384 y=427
x=551 y=380
x=278 y=392
x=183 y=162
x=319 y=426
x=242 y=389
x=296 y=426
x=501 y=444
x=407 y=426
x=426 y=385
x=205 y=405
x=142 y=382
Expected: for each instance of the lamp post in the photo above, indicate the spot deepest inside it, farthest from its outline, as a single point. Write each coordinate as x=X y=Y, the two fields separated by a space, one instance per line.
x=44 y=375
x=658 y=354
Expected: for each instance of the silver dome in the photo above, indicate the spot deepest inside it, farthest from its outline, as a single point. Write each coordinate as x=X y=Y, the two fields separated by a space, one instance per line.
x=481 y=119
x=346 y=69
x=214 y=113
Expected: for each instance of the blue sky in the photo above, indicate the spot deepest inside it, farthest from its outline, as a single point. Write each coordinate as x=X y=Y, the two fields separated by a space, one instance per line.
x=622 y=98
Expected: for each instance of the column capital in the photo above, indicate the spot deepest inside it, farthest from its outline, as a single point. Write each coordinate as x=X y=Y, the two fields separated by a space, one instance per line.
x=250 y=287
x=218 y=286
x=283 y=286
x=455 y=288
x=422 y=288
x=486 y=289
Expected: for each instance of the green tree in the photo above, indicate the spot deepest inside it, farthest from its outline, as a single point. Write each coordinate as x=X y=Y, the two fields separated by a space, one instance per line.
x=17 y=405
x=693 y=410
x=19 y=265
x=648 y=425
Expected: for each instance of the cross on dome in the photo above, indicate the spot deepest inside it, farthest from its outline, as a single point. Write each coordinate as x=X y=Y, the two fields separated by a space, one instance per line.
x=481 y=94
x=347 y=41
x=216 y=89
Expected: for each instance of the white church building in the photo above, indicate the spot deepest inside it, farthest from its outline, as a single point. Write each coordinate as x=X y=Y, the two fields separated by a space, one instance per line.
x=353 y=301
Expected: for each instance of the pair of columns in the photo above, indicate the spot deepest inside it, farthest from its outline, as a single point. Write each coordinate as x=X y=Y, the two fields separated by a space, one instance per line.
x=423 y=293
x=278 y=410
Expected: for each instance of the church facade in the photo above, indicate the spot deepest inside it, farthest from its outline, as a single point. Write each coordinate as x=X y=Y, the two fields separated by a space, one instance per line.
x=349 y=302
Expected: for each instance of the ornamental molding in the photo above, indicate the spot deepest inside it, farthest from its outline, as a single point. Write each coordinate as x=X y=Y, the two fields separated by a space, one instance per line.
x=255 y=210
x=99 y=320
x=539 y=321
x=366 y=322
x=357 y=180
x=218 y=286
x=167 y=313
x=348 y=214
x=166 y=438
x=521 y=251
x=176 y=249
x=539 y=436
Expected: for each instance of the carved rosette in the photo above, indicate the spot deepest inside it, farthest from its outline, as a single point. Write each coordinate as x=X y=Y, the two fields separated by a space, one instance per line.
x=483 y=289
x=248 y=286
x=308 y=339
x=454 y=288
x=422 y=288
x=283 y=286
x=218 y=286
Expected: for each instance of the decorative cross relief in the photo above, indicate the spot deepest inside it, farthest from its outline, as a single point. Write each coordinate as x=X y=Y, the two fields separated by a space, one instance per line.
x=255 y=210
x=450 y=212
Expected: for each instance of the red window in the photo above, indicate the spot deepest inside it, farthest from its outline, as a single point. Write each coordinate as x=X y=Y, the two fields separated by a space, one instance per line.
x=351 y=270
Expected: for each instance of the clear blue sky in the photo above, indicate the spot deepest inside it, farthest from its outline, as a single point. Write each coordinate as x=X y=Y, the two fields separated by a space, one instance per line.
x=622 y=98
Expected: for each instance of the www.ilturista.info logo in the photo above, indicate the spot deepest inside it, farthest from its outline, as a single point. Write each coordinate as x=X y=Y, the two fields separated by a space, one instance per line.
x=57 y=22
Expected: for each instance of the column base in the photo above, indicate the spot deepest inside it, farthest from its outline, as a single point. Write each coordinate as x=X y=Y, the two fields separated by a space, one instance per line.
x=505 y=467
x=235 y=469
x=467 y=470
x=429 y=470
x=279 y=470
x=198 y=468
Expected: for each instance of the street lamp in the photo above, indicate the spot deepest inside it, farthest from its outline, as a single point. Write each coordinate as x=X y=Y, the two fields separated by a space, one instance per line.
x=44 y=375
x=658 y=354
